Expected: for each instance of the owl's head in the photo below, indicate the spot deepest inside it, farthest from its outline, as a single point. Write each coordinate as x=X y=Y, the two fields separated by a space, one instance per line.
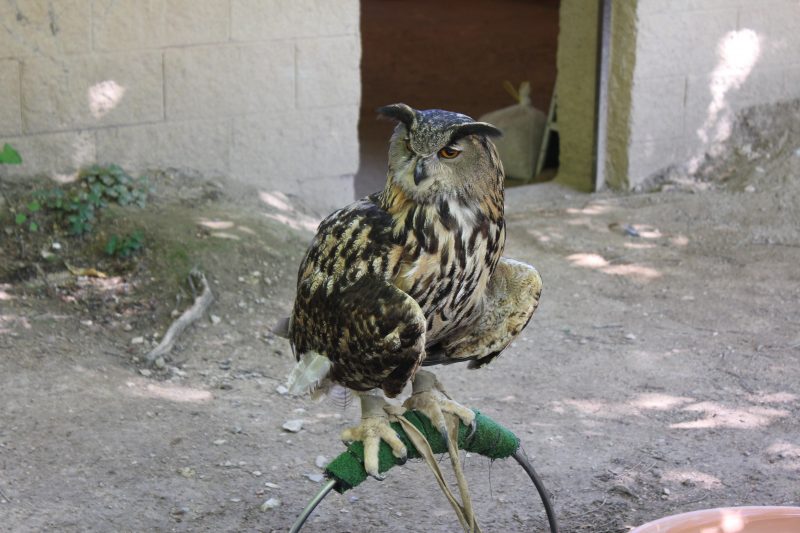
x=435 y=154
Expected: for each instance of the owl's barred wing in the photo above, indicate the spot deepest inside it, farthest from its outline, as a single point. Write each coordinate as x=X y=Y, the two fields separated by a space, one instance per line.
x=373 y=333
x=511 y=297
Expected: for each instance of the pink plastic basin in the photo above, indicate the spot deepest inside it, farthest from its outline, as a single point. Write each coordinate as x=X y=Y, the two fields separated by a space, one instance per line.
x=729 y=520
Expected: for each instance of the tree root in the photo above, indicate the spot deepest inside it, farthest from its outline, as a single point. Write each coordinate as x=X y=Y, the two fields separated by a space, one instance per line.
x=198 y=308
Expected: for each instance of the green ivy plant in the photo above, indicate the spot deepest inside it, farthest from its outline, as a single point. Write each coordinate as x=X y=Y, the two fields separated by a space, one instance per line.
x=125 y=246
x=9 y=156
x=80 y=204
x=27 y=216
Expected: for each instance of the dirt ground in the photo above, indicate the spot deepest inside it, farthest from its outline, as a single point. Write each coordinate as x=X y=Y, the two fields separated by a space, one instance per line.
x=658 y=376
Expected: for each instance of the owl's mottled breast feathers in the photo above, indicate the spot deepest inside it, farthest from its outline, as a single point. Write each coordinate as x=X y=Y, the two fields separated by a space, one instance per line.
x=406 y=268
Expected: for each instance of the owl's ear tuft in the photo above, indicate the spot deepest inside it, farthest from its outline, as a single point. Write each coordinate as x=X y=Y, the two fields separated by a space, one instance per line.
x=400 y=112
x=475 y=128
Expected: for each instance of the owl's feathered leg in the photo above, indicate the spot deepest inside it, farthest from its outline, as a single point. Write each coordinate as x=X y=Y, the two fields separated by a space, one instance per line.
x=429 y=398
x=374 y=428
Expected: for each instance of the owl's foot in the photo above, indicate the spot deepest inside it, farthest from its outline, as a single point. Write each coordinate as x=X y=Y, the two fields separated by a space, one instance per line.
x=374 y=428
x=429 y=398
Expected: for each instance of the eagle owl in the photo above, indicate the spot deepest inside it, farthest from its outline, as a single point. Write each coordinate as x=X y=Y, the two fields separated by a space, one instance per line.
x=412 y=276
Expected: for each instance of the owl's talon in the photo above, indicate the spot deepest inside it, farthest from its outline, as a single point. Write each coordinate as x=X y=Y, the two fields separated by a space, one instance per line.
x=427 y=398
x=445 y=437
x=373 y=429
x=473 y=426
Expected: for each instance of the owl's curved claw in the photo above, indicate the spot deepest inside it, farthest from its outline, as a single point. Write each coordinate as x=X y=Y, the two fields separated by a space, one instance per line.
x=473 y=426
x=429 y=399
x=373 y=429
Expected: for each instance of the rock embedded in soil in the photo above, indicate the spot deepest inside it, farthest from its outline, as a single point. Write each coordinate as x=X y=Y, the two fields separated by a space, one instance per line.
x=272 y=503
x=293 y=426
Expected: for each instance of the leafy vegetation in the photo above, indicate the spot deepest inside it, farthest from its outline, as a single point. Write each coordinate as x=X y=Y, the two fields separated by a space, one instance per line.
x=125 y=246
x=9 y=156
x=77 y=207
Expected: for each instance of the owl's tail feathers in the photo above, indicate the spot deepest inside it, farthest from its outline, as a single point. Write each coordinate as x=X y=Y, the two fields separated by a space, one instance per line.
x=310 y=375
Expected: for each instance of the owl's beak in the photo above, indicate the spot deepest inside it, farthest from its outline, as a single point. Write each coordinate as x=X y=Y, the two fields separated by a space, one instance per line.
x=419 y=171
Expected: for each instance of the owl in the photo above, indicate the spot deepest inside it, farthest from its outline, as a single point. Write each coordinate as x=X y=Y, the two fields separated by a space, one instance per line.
x=410 y=277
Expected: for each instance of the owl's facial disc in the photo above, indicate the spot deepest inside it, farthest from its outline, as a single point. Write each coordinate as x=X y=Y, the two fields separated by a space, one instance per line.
x=425 y=165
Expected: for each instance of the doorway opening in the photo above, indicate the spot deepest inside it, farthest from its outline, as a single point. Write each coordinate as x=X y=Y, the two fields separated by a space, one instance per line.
x=454 y=55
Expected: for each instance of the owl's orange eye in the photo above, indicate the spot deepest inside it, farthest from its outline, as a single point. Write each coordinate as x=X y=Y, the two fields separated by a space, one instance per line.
x=449 y=153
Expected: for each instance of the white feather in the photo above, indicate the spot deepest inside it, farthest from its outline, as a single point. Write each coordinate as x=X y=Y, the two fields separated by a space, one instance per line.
x=308 y=374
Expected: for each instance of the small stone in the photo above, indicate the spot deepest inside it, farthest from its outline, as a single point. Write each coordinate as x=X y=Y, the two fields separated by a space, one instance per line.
x=145 y=372
x=750 y=188
x=178 y=512
x=271 y=485
x=316 y=478
x=219 y=442
x=294 y=425
x=321 y=461
x=187 y=472
x=215 y=319
x=257 y=473
x=235 y=500
x=137 y=340
x=160 y=363
x=280 y=389
x=127 y=327
x=666 y=491
x=630 y=336
x=272 y=503
x=56 y=246
x=86 y=322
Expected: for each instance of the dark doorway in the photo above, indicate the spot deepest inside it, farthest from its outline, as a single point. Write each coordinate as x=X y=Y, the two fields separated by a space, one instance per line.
x=448 y=54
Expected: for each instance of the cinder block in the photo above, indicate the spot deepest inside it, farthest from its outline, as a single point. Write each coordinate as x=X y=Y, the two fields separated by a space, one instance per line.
x=646 y=7
x=657 y=108
x=791 y=82
x=131 y=24
x=259 y=20
x=324 y=195
x=328 y=72
x=57 y=155
x=682 y=42
x=763 y=85
x=45 y=27
x=649 y=157
x=713 y=100
x=704 y=112
x=777 y=29
x=220 y=81
x=284 y=148
x=198 y=144
x=91 y=91
x=10 y=117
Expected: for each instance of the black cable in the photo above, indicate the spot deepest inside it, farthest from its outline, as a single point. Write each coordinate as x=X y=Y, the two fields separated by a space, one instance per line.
x=522 y=459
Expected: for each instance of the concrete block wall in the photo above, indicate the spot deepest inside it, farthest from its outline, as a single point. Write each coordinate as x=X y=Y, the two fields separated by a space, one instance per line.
x=576 y=88
x=697 y=63
x=263 y=91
